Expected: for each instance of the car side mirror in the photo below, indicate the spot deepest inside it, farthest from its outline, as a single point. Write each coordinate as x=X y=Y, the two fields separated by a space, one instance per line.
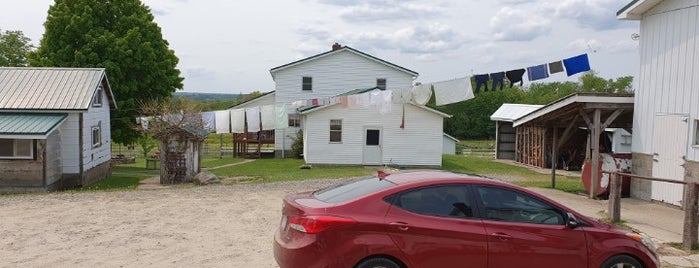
x=572 y=221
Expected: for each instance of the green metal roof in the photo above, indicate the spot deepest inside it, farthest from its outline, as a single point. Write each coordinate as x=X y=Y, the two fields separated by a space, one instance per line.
x=29 y=123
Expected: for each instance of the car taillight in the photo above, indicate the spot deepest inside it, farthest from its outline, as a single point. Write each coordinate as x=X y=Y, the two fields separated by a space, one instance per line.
x=316 y=224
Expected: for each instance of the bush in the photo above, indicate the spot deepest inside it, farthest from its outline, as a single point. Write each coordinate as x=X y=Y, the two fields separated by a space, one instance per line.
x=297 y=146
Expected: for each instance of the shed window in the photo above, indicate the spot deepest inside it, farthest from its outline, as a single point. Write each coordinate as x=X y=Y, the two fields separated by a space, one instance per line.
x=16 y=149
x=97 y=135
x=336 y=130
x=97 y=99
x=381 y=83
x=307 y=83
x=294 y=120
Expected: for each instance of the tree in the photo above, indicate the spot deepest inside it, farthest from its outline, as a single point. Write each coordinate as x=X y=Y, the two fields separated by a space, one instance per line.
x=121 y=37
x=14 y=48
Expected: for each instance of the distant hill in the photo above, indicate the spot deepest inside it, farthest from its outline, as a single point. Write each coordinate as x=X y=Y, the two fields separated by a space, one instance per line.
x=208 y=96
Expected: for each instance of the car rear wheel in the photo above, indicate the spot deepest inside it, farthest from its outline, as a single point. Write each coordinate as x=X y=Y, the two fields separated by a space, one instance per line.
x=622 y=261
x=377 y=263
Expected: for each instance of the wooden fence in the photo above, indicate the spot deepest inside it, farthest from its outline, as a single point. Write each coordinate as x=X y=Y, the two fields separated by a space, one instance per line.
x=690 y=233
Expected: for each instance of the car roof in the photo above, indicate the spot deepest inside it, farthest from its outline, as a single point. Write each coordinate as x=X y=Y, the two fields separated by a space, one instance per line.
x=411 y=177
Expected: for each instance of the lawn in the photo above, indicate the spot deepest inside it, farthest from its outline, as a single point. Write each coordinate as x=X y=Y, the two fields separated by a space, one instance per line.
x=270 y=170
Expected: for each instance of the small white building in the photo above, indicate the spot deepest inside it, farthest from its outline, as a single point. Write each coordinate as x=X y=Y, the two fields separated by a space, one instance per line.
x=362 y=136
x=54 y=128
x=666 y=114
x=449 y=144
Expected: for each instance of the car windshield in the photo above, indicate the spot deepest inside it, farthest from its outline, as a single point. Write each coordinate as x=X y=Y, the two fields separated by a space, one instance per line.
x=351 y=189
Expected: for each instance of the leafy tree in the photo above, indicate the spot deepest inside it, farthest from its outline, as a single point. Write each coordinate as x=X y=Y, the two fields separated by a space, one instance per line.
x=14 y=48
x=590 y=82
x=121 y=37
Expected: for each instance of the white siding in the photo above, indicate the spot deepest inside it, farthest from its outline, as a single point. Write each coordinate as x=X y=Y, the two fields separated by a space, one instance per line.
x=418 y=144
x=99 y=154
x=669 y=72
x=70 y=144
x=448 y=145
x=332 y=75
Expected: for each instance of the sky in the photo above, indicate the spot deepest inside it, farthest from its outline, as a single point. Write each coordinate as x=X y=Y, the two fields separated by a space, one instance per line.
x=229 y=46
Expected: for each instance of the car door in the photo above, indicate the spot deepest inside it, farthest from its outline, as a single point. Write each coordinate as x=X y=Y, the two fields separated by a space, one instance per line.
x=523 y=228
x=436 y=226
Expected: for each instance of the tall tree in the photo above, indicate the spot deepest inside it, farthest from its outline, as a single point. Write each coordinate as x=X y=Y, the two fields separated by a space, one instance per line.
x=121 y=37
x=14 y=48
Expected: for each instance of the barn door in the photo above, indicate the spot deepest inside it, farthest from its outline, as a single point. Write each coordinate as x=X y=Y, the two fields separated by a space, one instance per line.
x=669 y=148
x=372 y=146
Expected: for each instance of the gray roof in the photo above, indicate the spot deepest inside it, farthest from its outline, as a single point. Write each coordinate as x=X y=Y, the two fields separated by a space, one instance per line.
x=635 y=9
x=29 y=123
x=24 y=88
x=510 y=112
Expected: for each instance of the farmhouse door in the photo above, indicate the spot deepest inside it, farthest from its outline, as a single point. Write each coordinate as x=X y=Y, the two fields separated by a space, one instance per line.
x=372 y=146
x=669 y=147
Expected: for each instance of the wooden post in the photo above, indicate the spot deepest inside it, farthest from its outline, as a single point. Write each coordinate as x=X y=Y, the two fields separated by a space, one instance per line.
x=689 y=233
x=615 y=198
x=554 y=157
x=594 y=180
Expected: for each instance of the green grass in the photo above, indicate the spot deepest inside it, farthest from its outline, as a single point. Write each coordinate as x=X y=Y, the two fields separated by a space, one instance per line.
x=128 y=176
x=269 y=170
x=487 y=166
x=477 y=144
x=124 y=177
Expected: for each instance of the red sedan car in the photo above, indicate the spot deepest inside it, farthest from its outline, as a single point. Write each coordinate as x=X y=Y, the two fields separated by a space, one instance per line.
x=440 y=219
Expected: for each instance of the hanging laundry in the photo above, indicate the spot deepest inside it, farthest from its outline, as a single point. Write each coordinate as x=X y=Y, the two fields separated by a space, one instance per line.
x=364 y=100
x=268 y=117
x=481 y=80
x=386 y=104
x=452 y=91
x=515 y=76
x=238 y=120
x=498 y=80
x=403 y=95
x=252 y=116
x=422 y=93
x=577 y=64
x=538 y=72
x=222 y=121
x=281 y=116
x=209 y=120
x=555 y=67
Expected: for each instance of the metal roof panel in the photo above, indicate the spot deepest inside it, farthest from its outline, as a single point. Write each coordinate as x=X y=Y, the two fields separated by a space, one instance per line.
x=29 y=123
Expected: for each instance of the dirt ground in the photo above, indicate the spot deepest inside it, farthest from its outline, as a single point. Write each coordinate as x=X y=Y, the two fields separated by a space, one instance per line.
x=204 y=226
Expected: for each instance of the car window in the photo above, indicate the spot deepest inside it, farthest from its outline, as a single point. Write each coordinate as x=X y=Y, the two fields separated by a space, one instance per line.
x=351 y=189
x=502 y=204
x=444 y=201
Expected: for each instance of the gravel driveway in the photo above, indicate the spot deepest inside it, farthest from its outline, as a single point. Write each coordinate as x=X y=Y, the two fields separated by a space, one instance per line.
x=207 y=226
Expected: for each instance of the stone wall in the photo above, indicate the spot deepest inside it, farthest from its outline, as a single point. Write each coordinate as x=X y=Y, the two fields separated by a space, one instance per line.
x=643 y=166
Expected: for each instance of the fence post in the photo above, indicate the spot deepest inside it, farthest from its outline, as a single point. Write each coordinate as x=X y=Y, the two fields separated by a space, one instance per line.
x=615 y=198
x=689 y=233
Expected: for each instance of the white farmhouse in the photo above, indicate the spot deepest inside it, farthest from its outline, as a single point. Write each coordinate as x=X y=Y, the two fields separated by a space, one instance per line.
x=666 y=114
x=365 y=136
x=54 y=128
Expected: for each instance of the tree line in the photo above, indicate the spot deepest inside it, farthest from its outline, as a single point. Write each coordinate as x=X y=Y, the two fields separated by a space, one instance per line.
x=471 y=118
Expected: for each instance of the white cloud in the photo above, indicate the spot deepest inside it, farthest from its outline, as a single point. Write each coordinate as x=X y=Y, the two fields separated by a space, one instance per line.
x=590 y=45
x=518 y=25
x=594 y=14
x=381 y=11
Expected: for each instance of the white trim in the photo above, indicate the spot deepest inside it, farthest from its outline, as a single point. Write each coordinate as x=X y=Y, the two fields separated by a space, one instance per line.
x=14 y=151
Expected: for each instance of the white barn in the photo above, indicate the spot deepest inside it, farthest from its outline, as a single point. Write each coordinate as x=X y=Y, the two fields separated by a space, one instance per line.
x=666 y=114
x=54 y=128
x=339 y=71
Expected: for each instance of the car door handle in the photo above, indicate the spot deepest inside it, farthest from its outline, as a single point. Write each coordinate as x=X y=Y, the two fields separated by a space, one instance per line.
x=501 y=236
x=400 y=225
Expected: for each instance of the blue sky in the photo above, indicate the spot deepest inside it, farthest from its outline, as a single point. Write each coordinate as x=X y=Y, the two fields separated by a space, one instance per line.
x=229 y=46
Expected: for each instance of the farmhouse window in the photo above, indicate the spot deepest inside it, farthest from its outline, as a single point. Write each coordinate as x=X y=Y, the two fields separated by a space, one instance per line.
x=381 y=83
x=336 y=130
x=97 y=135
x=294 y=120
x=97 y=99
x=696 y=132
x=16 y=149
x=307 y=83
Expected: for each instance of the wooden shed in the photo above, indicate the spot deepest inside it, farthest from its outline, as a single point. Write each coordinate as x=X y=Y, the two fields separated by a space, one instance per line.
x=180 y=158
x=505 y=134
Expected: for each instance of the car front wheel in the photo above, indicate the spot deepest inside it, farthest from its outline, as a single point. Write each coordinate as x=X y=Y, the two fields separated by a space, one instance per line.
x=377 y=263
x=622 y=261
